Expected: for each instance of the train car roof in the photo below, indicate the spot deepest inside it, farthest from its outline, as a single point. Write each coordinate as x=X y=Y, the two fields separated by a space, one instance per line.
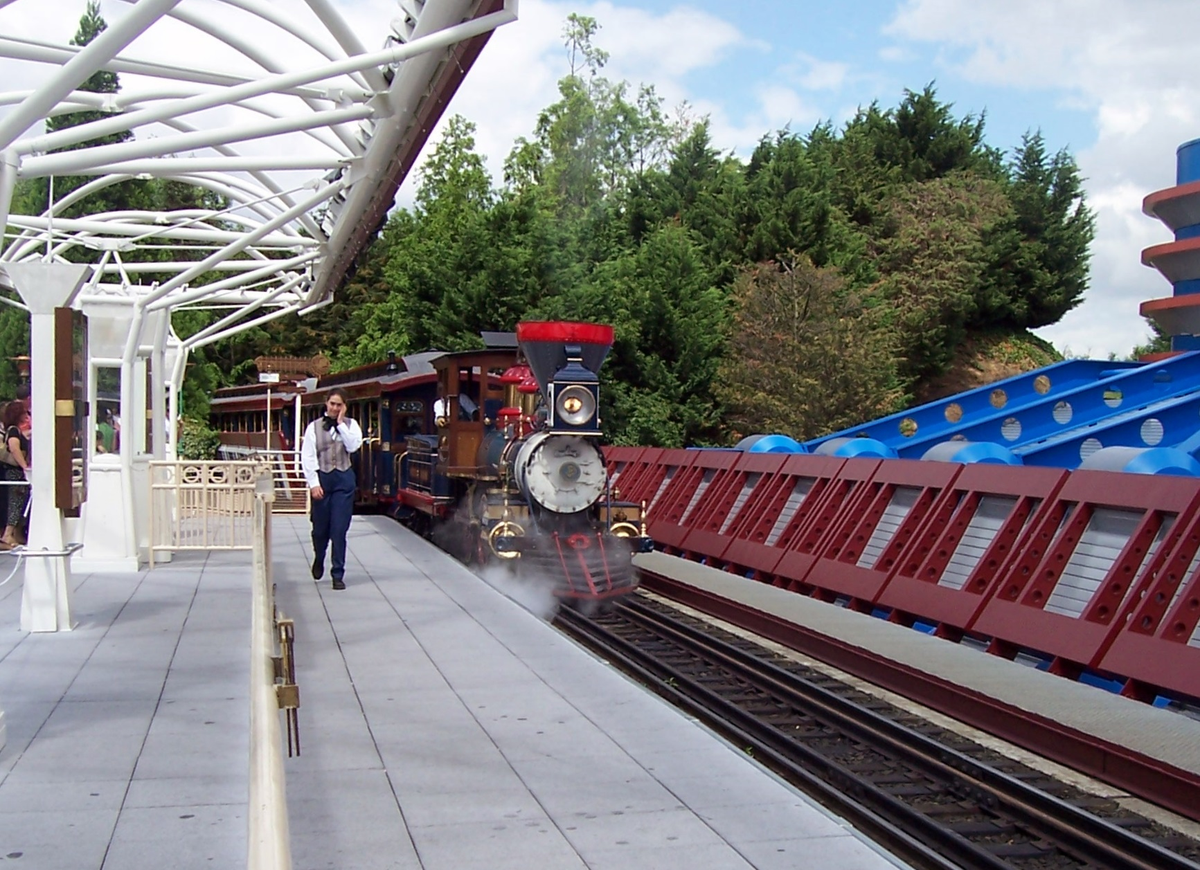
x=408 y=367
x=474 y=357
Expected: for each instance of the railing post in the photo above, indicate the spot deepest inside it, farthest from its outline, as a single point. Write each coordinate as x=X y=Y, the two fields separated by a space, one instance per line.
x=268 y=846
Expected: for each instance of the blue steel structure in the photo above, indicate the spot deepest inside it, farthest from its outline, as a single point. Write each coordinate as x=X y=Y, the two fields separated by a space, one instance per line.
x=1058 y=416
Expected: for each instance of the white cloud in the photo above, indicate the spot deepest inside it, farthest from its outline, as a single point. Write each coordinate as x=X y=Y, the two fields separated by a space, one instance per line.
x=815 y=74
x=517 y=74
x=1127 y=63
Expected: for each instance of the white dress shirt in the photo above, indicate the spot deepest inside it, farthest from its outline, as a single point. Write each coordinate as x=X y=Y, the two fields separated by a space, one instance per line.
x=348 y=432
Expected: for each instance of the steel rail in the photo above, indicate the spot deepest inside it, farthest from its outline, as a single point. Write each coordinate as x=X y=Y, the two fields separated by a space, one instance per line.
x=868 y=808
x=1094 y=838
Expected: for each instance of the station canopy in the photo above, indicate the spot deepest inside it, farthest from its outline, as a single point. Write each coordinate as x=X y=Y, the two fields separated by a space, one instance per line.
x=269 y=139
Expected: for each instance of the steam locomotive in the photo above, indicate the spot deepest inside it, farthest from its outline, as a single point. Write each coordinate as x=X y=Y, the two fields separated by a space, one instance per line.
x=514 y=471
x=494 y=454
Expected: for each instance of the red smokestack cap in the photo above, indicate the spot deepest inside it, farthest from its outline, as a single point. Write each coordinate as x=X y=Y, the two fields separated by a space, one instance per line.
x=544 y=345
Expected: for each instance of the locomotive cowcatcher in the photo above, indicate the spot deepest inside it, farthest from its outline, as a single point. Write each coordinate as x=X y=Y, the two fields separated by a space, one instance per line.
x=515 y=472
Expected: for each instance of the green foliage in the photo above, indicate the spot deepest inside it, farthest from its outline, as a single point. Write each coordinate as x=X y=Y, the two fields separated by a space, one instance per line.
x=818 y=284
x=1159 y=342
x=669 y=318
x=807 y=356
x=931 y=255
x=14 y=340
x=197 y=440
x=1039 y=252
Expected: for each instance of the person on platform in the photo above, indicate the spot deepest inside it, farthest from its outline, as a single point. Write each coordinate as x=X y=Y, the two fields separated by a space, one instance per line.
x=16 y=437
x=105 y=434
x=325 y=457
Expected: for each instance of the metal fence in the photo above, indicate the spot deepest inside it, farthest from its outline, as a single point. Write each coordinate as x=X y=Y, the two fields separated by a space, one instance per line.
x=202 y=505
x=291 y=491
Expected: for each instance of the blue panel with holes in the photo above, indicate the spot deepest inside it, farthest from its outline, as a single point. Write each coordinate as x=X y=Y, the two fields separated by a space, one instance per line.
x=1058 y=415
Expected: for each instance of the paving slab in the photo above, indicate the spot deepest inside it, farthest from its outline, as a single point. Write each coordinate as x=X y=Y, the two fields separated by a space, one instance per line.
x=444 y=726
x=498 y=742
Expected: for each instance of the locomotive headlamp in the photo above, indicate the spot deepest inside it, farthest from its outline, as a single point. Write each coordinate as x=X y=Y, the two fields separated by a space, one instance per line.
x=575 y=405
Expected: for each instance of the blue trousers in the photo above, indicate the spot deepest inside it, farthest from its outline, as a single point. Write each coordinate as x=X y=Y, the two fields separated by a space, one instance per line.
x=331 y=517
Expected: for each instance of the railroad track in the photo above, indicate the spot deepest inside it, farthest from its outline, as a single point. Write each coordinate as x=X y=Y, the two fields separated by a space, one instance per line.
x=932 y=797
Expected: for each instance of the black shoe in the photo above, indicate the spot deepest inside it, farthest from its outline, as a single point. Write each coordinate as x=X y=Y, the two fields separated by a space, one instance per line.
x=338 y=583
x=318 y=568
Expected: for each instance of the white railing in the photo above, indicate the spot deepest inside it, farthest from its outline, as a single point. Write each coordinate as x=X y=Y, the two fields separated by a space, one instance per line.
x=268 y=844
x=291 y=491
x=202 y=505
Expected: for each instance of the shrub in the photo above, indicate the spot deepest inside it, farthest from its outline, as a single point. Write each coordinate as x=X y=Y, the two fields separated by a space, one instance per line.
x=197 y=440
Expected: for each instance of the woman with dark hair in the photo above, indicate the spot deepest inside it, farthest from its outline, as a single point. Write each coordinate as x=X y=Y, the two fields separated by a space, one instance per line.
x=16 y=425
x=325 y=456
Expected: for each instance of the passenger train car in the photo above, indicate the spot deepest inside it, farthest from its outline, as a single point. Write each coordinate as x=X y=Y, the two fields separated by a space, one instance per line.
x=494 y=454
x=389 y=400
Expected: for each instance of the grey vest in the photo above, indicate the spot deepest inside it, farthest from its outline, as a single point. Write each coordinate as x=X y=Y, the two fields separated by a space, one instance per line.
x=331 y=452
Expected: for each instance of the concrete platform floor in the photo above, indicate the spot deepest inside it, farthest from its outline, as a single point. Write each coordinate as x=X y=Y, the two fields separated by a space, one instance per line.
x=442 y=726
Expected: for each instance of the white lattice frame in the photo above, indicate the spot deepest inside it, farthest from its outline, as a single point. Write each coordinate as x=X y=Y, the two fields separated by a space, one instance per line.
x=297 y=218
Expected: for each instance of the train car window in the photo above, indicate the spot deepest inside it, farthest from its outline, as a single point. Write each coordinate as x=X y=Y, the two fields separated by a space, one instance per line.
x=408 y=418
x=371 y=426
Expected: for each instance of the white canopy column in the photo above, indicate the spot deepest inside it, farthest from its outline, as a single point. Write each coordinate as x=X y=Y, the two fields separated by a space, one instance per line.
x=46 y=597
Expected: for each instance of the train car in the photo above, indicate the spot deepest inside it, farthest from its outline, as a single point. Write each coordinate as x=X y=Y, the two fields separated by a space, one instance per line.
x=389 y=399
x=513 y=471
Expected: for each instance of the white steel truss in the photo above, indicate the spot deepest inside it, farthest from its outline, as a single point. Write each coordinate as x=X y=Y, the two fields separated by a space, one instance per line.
x=277 y=107
x=296 y=134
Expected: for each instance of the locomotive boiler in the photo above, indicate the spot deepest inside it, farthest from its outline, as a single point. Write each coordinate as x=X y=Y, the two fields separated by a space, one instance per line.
x=515 y=472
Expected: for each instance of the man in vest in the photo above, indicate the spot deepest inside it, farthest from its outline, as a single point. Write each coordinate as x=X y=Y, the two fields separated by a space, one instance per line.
x=325 y=457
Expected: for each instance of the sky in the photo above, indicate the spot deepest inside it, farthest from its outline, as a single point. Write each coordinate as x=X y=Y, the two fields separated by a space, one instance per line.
x=1111 y=81
x=1108 y=80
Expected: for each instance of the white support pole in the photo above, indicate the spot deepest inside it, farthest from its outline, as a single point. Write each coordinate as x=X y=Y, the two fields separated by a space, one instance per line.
x=176 y=383
x=9 y=163
x=46 y=596
x=158 y=384
x=298 y=428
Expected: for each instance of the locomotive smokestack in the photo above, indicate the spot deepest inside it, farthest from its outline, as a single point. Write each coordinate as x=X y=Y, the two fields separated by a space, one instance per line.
x=545 y=344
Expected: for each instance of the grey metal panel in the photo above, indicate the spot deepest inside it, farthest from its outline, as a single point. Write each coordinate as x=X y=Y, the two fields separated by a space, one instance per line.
x=989 y=517
x=799 y=493
x=704 y=482
x=743 y=496
x=894 y=514
x=662 y=486
x=1107 y=533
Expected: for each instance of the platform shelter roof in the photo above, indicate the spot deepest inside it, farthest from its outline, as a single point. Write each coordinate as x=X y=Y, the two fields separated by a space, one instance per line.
x=292 y=123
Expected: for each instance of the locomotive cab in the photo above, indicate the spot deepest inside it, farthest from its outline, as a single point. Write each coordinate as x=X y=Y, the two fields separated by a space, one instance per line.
x=470 y=396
